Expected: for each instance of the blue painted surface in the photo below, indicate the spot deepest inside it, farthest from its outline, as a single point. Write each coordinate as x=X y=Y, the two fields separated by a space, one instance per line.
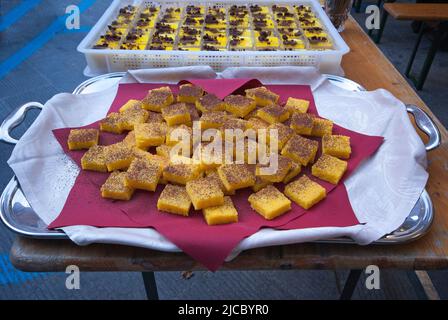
x=10 y=275
x=17 y=12
x=39 y=41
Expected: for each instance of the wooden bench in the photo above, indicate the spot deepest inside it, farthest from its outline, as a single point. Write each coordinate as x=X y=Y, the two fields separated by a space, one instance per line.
x=436 y=13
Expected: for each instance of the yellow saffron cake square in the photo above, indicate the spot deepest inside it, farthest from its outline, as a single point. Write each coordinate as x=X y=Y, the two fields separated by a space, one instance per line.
x=278 y=169
x=118 y=156
x=212 y=119
x=337 y=146
x=174 y=199
x=262 y=96
x=302 y=123
x=210 y=102
x=305 y=192
x=94 y=159
x=283 y=133
x=189 y=93
x=222 y=214
x=273 y=113
x=181 y=173
x=238 y=105
x=300 y=149
x=175 y=114
x=204 y=193
x=131 y=117
x=115 y=187
x=82 y=138
x=213 y=175
x=158 y=98
x=131 y=104
x=236 y=176
x=297 y=105
x=269 y=202
x=112 y=123
x=329 y=168
x=293 y=172
x=322 y=127
x=150 y=134
x=260 y=184
x=142 y=174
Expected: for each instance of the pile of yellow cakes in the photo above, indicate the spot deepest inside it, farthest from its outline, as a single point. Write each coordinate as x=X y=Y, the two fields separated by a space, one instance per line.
x=216 y=28
x=143 y=159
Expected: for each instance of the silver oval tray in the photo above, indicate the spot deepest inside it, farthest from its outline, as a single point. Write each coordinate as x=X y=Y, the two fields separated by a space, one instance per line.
x=17 y=214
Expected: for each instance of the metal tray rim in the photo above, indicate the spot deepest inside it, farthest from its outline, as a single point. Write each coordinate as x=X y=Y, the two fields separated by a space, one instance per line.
x=421 y=229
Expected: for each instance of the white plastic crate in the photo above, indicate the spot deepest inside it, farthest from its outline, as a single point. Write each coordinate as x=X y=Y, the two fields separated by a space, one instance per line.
x=100 y=61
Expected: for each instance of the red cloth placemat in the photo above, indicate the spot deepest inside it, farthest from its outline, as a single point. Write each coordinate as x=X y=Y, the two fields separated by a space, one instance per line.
x=209 y=245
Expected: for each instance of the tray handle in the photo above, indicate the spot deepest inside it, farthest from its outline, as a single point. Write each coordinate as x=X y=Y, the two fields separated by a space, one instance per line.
x=14 y=119
x=427 y=125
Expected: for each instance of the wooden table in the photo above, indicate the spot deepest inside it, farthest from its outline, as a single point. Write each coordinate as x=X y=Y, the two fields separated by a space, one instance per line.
x=418 y=11
x=366 y=65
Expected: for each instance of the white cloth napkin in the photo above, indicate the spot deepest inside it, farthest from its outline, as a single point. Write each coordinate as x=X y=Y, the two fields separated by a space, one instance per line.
x=382 y=191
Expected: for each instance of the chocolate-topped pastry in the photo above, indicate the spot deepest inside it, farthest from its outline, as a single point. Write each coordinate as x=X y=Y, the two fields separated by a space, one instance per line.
x=234 y=32
x=234 y=41
x=187 y=39
x=276 y=8
x=237 y=22
x=143 y=22
x=152 y=47
x=316 y=39
x=208 y=47
x=209 y=39
x=255 y=8
x=260 y=23
x=190 y=31
x=285 y=23
x=211 y=19
x=163 y=27
x=259 y=15
x=111 y=37
x=103 y=45
x=193 y=11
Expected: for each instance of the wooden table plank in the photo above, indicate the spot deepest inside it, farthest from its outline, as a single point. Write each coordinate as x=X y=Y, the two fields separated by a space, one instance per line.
x=418 y=11
x=364 y=64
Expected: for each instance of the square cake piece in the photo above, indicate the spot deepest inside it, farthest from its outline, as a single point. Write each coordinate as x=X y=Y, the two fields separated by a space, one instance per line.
x=337 y=146
x=239 y=106
x=223 y=214
x=150 y=134
x=154 y=117
x=322 y=127
x=94 y=159
x=115 y=187
x=131 y=117
x=189 y=93
x=293 y=172
x=210 y=102
x=213 y=119
x=131 y=105
x=174 y=199
x=273 y=114
x=82 y=138
x=142 y=174
x=156 y=99
x=302 y=123
x=176 y=114
x=118 y=156
x=300 y=149
x=329 y=168
x=297 y=105
x=269 y=202
x=204 y=193
x=284 y=133
x=280 y=172
x=181 y=173
x=262 y=96
x=236 y=176
x=305 y=192
x=112 y=123
x=213 y=175
x=260 y=184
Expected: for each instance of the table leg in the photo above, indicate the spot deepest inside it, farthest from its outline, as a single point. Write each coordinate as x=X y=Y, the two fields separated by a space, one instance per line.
x=350 y=284
x=150 y=285
x=429 y=59
x=414 y=52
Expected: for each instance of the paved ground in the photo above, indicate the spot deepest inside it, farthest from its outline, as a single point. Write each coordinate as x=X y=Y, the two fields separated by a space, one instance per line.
x=52 y=65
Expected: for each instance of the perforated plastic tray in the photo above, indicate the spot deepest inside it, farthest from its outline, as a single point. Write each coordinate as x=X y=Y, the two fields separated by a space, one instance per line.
x=100 y=61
